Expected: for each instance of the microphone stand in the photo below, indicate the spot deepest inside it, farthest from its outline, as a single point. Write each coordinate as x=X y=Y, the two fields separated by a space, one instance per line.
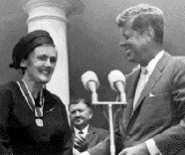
x=94 y=98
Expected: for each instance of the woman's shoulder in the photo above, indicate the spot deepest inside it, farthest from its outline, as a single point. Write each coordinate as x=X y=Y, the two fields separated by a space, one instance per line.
x=11 y=85
x=53 y=101
x=8 y=89
x=52 y=97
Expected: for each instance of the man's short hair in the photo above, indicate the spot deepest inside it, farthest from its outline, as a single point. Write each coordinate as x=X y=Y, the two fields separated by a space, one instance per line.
x=142 y=17
x=81 y=100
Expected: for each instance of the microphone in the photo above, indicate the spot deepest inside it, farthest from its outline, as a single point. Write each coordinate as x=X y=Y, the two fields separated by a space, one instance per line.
x=91 y=83
x=117 y=82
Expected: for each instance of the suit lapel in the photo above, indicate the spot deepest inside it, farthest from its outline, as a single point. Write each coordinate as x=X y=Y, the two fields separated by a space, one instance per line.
x=131 y=84
x=91 y=133
x=153 y=79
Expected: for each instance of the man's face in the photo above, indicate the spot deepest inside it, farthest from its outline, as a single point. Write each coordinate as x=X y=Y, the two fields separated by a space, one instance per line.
x=134 y=44
x=80 y=114
x=41 y=64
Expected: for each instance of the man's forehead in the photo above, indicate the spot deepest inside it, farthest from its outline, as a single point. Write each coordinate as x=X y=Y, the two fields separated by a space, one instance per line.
x=79 y=105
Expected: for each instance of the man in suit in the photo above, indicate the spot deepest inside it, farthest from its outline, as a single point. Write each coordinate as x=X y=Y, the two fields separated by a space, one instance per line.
x=85 y=135
x=153 y=121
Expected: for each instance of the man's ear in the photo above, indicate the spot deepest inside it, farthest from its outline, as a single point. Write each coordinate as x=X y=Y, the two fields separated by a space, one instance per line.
x=24 y=63
x=150 y=34
x=90 y=115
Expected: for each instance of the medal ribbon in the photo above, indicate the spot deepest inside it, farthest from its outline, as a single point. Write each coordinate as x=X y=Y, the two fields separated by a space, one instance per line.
x=38 y=110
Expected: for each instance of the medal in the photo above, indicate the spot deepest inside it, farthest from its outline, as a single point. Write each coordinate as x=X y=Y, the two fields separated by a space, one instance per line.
x=38 y=110
x=39 y=115
x=39 y=122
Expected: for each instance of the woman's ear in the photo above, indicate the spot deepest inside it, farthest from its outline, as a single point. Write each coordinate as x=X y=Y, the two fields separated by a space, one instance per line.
x=24 y=63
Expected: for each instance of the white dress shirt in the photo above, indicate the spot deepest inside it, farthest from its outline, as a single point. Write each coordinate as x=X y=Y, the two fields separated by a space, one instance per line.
x=85 y=131
x=144 y=76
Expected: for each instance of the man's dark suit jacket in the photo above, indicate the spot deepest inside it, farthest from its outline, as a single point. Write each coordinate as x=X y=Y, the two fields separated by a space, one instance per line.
x=95 y=135
x=159 y=112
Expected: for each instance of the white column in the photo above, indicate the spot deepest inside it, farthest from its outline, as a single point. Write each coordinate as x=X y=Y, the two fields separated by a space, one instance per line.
x=51 y=15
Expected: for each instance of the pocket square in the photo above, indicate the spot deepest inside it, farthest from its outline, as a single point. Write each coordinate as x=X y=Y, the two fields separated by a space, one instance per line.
x=151 y=95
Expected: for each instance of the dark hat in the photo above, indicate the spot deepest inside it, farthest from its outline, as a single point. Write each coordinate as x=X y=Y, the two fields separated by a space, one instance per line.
x=27 y=44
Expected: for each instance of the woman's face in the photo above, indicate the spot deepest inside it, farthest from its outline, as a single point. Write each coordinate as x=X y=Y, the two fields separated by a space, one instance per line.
x=41 y=64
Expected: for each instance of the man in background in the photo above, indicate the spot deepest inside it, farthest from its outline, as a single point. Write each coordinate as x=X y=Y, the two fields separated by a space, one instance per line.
x=85 y=135
x=153 y=121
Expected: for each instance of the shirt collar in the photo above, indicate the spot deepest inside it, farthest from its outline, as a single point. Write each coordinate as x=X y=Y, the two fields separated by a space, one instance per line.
x=152 y=63
x=84 y=130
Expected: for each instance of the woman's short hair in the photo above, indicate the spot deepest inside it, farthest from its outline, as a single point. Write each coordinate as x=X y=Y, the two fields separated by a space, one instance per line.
x=27 y=44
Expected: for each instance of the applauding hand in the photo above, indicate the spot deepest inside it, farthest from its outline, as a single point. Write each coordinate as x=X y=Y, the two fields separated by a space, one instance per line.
x=80 y=143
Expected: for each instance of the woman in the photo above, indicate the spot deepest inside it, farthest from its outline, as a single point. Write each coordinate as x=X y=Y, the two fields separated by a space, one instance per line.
x=32 y=120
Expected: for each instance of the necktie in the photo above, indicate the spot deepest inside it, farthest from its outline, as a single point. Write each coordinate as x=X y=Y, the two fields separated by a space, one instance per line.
x=140 y=85
x=80 y=132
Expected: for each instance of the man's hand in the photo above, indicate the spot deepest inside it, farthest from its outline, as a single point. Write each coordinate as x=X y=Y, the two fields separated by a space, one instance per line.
x=80 y=143
x=140 y=149
x=76 y=152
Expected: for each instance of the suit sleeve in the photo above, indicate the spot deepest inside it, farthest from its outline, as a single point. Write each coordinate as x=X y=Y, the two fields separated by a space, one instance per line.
x=5 y=101
x=103 y=147
x=67 y=139
x=172 y=140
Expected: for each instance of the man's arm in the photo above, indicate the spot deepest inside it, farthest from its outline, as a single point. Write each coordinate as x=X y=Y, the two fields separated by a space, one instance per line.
x=102 y=148
x=140 y=149
x=152 y=148
x=172 y=139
